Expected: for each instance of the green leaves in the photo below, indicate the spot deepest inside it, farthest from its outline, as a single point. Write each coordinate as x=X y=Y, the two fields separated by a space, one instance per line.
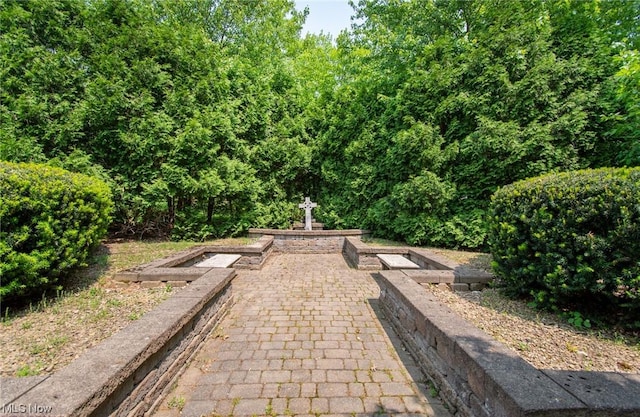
x=570 y=239
x=479 y=93
x=210 y=116
x=196 y=107
x=50 y=219
x=627 y=122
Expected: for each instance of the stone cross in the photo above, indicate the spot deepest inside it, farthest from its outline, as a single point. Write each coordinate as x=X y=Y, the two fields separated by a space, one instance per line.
x=307 y=206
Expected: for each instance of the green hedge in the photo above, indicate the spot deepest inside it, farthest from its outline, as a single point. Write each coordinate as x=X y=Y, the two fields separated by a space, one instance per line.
x=49 y=221
x=571 y=240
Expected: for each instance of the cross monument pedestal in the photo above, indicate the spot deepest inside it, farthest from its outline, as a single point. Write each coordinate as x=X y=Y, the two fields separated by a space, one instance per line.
x=307 y=206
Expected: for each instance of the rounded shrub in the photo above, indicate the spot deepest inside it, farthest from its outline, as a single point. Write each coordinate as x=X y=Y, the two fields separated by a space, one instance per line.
x=49 y=221
x=571 y=240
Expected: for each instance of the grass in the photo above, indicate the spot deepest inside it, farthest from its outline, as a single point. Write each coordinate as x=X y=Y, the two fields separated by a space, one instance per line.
x=433 y=390
x=46 y=334
x=478 y=260
x=30 y=370
x=269 y=409
x=376 y=241
x=176 y=402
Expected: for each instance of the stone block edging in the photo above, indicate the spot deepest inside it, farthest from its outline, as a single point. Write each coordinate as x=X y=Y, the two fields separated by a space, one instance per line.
x=480 y=377
x=127 y=373
x=308 y=241
x=437 y=269
x=302 y=234
x=168 y=269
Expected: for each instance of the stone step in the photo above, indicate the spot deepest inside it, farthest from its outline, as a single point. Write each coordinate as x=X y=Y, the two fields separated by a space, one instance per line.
x=390 y=261
x=221 y=260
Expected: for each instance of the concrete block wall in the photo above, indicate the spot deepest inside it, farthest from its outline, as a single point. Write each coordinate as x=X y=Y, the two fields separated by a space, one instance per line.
x=128 y=372
x=436 y=269
x=308 y=241
x=177 y=269
x=480 y=377
x=252 y=256
x=431 y=260
x=362 y=256
x=303 y=244
x=255 y=255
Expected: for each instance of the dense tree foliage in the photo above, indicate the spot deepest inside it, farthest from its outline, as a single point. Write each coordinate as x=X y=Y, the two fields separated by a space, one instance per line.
x=194 y=109
x=207 y=117
x=445 y=101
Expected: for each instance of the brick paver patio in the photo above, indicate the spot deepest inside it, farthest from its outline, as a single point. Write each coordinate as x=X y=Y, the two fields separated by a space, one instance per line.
x=305 y=338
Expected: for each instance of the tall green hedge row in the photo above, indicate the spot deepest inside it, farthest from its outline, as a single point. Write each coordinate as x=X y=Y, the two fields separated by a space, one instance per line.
x=571 y=239
x=49 y=221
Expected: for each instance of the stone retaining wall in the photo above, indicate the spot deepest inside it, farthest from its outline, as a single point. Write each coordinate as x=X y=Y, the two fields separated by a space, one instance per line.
x=254 y=256
x=362 y=256
x=305 y=244
x=308 y=241
x=128 y=372
x=480 y=377
x=176 y=269
x=436 y=269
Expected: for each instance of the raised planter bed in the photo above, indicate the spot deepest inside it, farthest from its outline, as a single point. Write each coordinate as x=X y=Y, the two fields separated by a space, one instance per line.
x=179 y=269
x=434 y=269
x=308 y=241
x=128 y=372
x=480 y=377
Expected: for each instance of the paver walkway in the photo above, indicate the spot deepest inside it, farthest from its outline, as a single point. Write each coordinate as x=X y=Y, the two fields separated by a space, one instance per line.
x=304 y=338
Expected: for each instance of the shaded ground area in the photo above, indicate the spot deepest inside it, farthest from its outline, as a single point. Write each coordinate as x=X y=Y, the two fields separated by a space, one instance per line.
x=303 y=339
x=544 y=340
x=42 y=338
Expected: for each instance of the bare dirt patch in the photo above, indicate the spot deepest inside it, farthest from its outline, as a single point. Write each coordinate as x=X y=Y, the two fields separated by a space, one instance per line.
x=57 y=331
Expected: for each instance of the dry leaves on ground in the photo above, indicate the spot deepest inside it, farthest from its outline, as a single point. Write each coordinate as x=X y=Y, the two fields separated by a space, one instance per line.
x=542 y=339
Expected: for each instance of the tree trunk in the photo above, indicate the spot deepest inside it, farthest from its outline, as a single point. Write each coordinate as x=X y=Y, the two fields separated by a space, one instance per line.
x=210 y=204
